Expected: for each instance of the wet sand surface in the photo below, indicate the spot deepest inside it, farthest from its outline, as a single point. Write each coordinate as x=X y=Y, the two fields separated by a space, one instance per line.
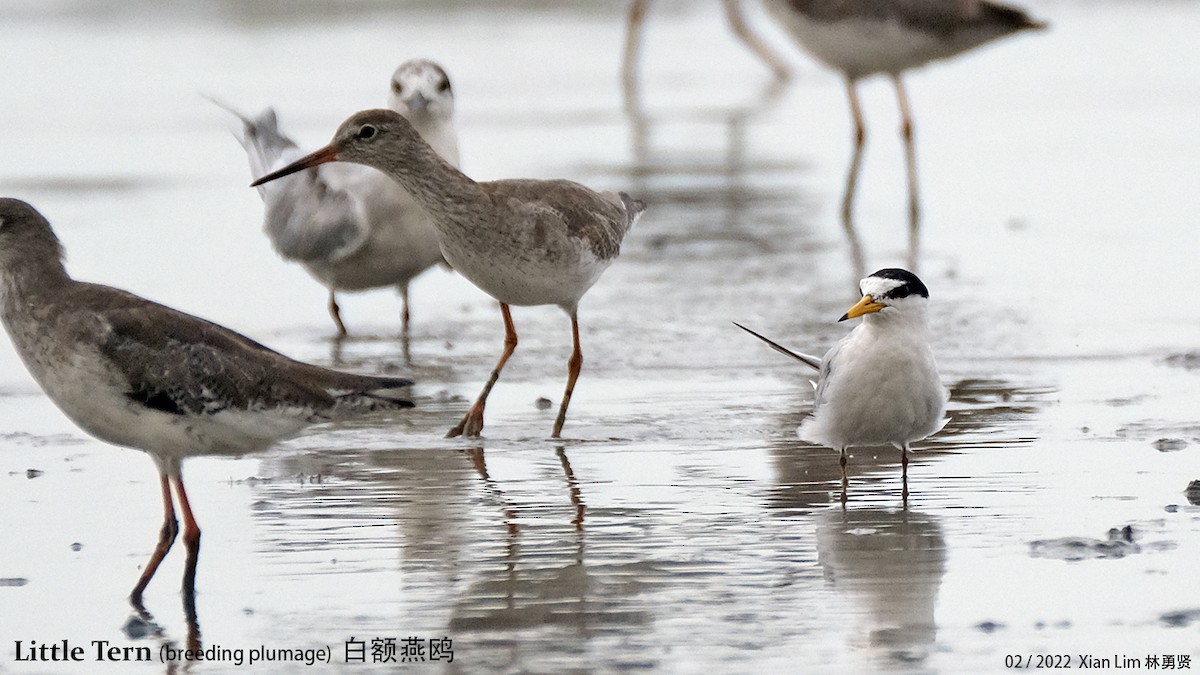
x=680 y=525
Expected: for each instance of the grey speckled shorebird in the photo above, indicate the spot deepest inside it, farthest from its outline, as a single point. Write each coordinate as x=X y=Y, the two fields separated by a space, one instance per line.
x=138 y=374
x=864 y=37
x=524 y=242
x=351 y=227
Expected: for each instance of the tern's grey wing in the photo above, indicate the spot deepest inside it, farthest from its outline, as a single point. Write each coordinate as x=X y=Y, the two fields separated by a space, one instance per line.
x=308 y=216
x=829 y=364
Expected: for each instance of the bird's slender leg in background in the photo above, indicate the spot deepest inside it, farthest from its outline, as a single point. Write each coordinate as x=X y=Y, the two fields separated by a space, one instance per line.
x=336 y=313
x=904 y=472
x=633 y=40
x=191 y=537
x=733 y=13
x=860 y=130
x=404 y=309
x=472 y=422
x=910 y=158
x=405 y=342
x=574 y=365
x=906 y=123
x=166 y=537
x=845 y=479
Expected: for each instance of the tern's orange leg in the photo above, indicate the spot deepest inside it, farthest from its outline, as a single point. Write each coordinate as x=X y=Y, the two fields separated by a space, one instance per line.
x=166 y=537
x=574 y=365
x=472 y=422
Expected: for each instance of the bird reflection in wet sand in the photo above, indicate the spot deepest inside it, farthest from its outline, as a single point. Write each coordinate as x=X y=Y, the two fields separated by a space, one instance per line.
x=537 y=587
x=350 y=226
x=878 y=385
x=866 y=37
x=523 y=242
x=888 y=566
x=138 y=374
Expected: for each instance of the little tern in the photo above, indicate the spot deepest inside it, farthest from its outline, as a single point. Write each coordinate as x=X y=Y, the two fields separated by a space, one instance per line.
x=879 y=384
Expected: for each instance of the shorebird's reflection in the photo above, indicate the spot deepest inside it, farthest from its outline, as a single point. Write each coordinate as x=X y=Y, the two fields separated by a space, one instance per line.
x=850 y=191
x=141 y=625
x=888 y=565
x=337 y=349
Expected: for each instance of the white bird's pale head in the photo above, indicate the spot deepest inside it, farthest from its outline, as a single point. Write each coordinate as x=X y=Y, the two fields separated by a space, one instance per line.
x=890 y=292
x=421 y=90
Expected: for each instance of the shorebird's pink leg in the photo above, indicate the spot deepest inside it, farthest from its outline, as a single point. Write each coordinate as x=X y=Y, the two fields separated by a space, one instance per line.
x=191 y=538
x=860 y=130
x=845 y=479
x=733 y=13
x=633 y=39
x=404 y=309
x=472 y=422
x=574 y=365
x=906 y=123
x=336 y=313
x=166 y=537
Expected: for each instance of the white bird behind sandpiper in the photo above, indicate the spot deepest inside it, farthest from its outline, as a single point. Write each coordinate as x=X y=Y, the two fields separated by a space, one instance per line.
x=141 y=375
x=350 y=226
x=879 y=385
x=523 y=242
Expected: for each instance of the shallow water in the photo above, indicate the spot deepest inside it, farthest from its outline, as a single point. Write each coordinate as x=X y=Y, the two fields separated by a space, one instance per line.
x=680 y=526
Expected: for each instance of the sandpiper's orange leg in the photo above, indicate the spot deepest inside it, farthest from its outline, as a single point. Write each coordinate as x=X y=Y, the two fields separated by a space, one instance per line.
x=336 y=313
x=860 y=130
x=166 y=537
x=472 y=422
x=191 y=538
x=574 y=365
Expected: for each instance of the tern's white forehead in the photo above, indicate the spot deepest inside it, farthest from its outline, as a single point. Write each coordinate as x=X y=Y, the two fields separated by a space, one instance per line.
x=877 y=287
x=893 y=284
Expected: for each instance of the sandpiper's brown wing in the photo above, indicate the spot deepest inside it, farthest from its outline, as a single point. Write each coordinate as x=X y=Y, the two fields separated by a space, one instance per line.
x=600 y=219
x=181 y=364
